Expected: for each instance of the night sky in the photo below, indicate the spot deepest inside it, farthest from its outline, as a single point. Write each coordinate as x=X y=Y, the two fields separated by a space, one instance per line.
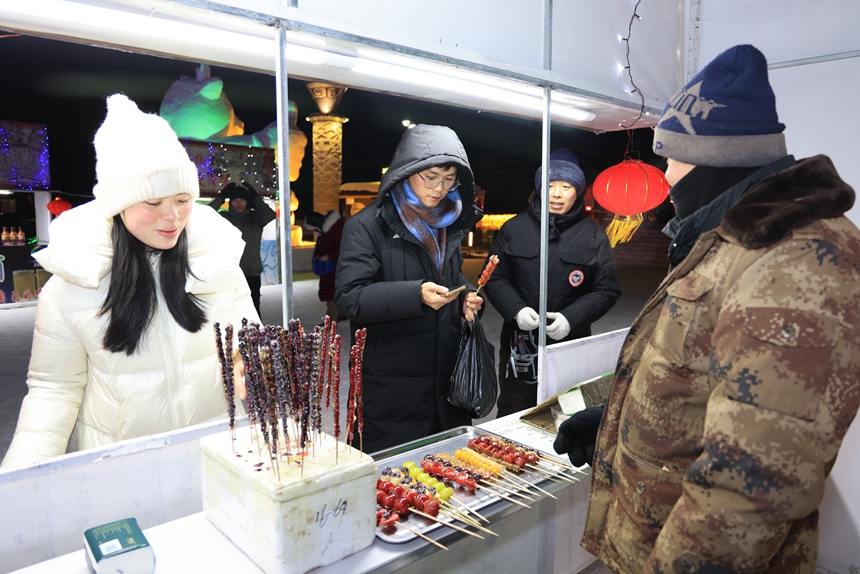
x=63 y=85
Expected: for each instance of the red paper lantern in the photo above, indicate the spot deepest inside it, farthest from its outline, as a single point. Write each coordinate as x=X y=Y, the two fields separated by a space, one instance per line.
x=58 y=206
x=629 y=189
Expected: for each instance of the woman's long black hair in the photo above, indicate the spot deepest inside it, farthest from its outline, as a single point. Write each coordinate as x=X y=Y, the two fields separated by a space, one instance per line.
x=132 y=296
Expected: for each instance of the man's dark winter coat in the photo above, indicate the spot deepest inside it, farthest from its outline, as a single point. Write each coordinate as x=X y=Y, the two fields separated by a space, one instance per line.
x=583 y=283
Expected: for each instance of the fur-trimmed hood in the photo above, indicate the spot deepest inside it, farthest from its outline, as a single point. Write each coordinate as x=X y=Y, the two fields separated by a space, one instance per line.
x=766 y=206
x=330 y=220
x=788 y=200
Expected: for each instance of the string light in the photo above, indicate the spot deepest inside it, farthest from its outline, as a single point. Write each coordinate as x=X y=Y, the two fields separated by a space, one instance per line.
x=219 y=164
x=635 y=89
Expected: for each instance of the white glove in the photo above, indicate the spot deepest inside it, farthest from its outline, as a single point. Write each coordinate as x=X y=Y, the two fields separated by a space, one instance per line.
x=528 y=319
x=559 y=328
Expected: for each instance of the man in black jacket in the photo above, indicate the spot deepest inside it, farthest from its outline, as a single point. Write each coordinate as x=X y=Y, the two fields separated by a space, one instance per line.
x=582 y=281
x=398 y=258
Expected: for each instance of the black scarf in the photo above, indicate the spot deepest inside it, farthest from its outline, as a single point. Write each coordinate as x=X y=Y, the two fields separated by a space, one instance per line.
x=685 y=230
x=703 y=184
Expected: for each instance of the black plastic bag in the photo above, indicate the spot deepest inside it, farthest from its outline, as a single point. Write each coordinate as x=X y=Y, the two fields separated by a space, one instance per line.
x=474 y=387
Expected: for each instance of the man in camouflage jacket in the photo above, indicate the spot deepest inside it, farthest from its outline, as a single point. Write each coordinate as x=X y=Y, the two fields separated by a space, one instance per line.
x=739 y=378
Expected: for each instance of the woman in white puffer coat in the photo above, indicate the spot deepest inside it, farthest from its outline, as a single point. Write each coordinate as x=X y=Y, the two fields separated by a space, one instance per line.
x=124 y=343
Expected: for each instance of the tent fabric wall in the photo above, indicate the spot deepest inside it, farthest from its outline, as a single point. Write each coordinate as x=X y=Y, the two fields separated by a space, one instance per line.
x=588 y=53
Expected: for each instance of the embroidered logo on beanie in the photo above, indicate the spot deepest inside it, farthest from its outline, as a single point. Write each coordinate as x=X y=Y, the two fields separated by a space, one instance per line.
x=688 y=104
x=165 y=183
x=138 y=158
x=725 y=116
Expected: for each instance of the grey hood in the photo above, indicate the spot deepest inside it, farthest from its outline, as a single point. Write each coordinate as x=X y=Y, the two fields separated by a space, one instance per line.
x=421 y=148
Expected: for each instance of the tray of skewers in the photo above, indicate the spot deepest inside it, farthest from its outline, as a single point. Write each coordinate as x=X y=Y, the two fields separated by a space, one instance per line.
x=444 y=481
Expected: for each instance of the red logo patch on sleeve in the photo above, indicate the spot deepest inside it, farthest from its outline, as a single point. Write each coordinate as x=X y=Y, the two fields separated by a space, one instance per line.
x=576 y=278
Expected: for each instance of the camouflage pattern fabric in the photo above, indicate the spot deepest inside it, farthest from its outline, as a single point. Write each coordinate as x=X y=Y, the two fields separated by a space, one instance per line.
x=733 y=392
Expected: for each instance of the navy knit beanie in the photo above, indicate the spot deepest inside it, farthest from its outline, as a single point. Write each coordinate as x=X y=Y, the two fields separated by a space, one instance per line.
x=563 y=166
x=725 y=116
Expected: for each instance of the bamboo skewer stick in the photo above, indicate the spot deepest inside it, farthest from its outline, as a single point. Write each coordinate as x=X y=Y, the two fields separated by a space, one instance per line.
x=472 y=510
x=473 y=523
x=507 y=480
x=456 y=511
x=519 y=491
x=500 y=495
x=427 y=538
x=536 y=487
x=448 y=524
x=564 y=465
x=457 y=514
x=556 y=474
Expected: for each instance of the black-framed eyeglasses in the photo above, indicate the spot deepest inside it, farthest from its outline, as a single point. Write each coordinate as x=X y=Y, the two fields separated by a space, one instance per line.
x=432 y=182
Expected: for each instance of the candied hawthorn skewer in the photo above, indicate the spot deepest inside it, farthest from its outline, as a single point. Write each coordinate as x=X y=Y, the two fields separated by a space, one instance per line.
x=360 y=337
x=336 y=392
x=514 y=456
x=397 y=500
x=249 y=388
x=488 y=271
x=230 y=384
x=227 y=379
x=427 y=487
x=350 y=401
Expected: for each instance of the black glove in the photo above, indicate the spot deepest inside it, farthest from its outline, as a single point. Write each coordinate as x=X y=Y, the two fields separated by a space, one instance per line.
x=230 y=191
x=578 y=434
x=249 y=194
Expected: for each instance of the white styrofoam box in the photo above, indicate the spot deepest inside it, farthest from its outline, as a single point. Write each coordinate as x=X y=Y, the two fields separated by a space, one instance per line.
x=298 y=521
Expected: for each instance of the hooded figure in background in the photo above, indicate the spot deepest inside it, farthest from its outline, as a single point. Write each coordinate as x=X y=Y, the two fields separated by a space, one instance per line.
x=582 y=280
x=249 y=214
x=739 y=379
x=397 y=260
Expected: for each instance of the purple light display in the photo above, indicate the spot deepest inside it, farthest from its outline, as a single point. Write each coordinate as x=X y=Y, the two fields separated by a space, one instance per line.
x=24 y=158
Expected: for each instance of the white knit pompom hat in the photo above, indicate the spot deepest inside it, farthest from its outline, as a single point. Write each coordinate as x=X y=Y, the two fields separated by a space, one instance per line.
x=138 y=158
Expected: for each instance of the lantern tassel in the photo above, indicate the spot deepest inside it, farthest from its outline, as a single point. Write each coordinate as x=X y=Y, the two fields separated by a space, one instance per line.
x=622 y=228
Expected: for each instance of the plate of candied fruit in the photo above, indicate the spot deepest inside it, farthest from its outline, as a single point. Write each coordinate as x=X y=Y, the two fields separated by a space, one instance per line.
x=445 y=480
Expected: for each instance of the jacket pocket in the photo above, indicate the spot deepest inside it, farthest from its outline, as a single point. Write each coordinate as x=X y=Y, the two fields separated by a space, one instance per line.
x=644 y=497
x=680 y=318
x=578 y=269
x=520 y=249
x=783 y=360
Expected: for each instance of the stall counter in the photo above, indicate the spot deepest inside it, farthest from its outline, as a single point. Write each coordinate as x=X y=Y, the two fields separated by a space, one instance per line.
x=544 y=538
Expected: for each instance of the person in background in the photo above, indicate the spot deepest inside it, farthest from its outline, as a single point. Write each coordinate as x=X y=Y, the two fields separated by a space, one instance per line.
x=398 y=258
x=739 y=378
x=329 y=229
x=582 y=281
x=123 y=344
x=249 y=214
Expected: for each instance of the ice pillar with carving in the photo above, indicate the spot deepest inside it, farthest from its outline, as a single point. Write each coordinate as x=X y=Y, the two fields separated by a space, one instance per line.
x=327 y=145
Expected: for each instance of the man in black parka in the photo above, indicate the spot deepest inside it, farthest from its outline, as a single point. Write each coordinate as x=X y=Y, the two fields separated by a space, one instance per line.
x=582 y=281
x=397 y=258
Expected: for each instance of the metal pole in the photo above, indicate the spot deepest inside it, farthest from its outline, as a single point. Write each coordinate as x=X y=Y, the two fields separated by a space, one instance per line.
x=544 y=241
x=286 y=246
x=547 y=35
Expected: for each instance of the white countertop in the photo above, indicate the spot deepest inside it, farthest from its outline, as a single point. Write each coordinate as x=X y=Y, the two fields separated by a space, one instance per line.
x=193 y=544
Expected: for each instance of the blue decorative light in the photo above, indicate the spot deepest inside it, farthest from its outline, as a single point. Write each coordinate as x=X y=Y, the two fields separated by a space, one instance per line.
x=24 y=158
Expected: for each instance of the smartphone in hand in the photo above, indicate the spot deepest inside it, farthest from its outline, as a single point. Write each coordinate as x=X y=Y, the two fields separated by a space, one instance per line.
x=453 y=292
